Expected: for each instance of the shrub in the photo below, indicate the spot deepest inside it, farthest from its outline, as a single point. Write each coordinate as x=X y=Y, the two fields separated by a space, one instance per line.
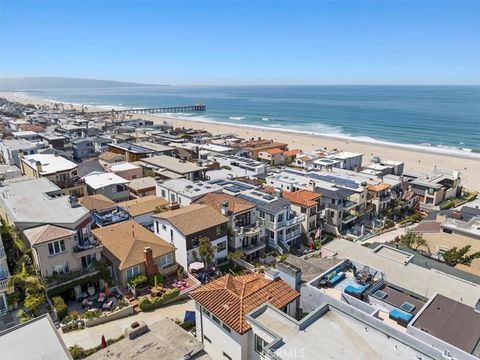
x=60 y=307
x=160 y=279
x=146 y=305
x=389 y=224
x=138 y=280
x=77 y=352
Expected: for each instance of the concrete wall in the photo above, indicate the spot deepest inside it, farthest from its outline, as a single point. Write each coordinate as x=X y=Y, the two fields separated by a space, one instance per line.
x=126 y=311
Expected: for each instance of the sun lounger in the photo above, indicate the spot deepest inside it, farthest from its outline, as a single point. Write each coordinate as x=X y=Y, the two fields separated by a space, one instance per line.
x=401 y=317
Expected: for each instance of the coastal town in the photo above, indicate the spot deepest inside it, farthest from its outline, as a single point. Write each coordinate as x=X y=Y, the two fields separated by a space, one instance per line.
x=124 y=236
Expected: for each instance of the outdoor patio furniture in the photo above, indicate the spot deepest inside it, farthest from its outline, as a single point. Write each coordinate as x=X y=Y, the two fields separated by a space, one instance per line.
x=101 y=297
x=107 y=305
x=91 y=291
x=356 y=291
x=401 y=317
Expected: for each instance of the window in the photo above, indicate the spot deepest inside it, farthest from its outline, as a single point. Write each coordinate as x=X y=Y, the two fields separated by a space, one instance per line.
x=260 y=345
x=171 y=235
x=227 y=328
x=217 y=320
x=221 y=246
x=303 y=210
x=166 y=260
x=219 y=230
x=132 y=272
x=156 y=226
x=280 y=218
x=164 y=227
x=163 y=194
x=206 y=338
x=261 y=214
x=271 y=217
x=56 y=247
x=206 y=312
x=226 y=356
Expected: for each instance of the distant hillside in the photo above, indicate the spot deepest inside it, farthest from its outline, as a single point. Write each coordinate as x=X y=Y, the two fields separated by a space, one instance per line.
x=34 y=83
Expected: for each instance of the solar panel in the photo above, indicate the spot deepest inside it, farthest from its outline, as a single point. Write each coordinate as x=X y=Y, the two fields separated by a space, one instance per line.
x=407 y=307
x=232 y=188
x=379 y=294
x=252 y=199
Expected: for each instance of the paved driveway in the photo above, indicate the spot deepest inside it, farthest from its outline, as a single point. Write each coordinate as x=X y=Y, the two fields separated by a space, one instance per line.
x=91 y=337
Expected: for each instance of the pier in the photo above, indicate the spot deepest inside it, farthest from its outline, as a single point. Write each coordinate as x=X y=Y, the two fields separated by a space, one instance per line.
x=157 y=110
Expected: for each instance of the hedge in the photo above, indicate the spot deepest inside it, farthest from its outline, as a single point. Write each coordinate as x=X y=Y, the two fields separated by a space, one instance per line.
x=138 y=280
x=145 y=304
x=60 y=307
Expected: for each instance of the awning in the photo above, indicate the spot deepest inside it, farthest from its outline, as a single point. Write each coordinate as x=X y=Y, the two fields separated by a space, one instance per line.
x=196 y=266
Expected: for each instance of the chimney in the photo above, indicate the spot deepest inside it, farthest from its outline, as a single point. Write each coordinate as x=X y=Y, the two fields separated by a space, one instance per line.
x=271 y=273
x=38 y=165
x=225 y=208
x=311 y=185
x=150 y=266
x=278 y=192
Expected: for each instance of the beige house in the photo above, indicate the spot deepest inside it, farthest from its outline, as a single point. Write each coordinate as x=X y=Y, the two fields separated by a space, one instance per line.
x=57 y=252
x=133 y=250
x=379 y=196
x=62 y=172
x=108 y=158
x=306 y=202
x=141 y=210
x=97 y=202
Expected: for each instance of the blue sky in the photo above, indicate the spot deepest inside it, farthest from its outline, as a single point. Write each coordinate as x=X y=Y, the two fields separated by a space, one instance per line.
x=244 y=42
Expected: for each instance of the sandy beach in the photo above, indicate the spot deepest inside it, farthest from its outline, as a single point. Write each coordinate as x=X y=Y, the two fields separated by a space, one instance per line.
x=421 y=160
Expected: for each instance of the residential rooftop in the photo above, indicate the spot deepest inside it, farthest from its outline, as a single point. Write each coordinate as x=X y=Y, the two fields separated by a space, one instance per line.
x=142 y=183
x=123 y=166
x=34 y=339
x=420 y=280
x=143 y=205
x=153 y=146
x=235 y=205
x=189 y=188
x=97 y=202
x=193 y=218
x=133 y=148
x=46 y=233
x=98 y=180
x=38 y=201
x=173 y=164
x=328 y=333
x=231 y=297
x=18 y=144
x=50 y=163
x=451 y=321
x=127 y=240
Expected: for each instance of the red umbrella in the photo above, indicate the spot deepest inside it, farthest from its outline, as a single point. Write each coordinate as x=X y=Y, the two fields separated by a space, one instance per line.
x=104 y=342
x=106 y=290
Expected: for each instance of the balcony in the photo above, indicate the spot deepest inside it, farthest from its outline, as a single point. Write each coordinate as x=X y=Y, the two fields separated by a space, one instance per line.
x=260 y=244
x=296 y=219
x=292 y=235
x=109 y=216
x=250 y=230
x=347 y=204
x=69 y=183
x=66 y=277
x=348 y=218
x=88 y=247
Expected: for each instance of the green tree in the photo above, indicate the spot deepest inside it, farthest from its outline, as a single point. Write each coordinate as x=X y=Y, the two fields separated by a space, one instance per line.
x=30 y=283
x=206 y=250
x=413 y=240
x=456 y=256
x=34 y=301
x=232 y=256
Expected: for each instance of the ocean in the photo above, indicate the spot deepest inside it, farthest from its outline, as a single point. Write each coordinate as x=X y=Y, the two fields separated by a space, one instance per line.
x=446 y=117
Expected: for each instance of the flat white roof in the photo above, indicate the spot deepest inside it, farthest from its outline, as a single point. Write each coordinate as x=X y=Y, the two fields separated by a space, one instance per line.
x=189 y=188
x=334 y=335
x=420 y=280
x=173 y=164
x=18 y=144
x=35 y=339
x=97 y=180
x=28 y=201
x=51 y=163
x=123 y=166
x=345 y=155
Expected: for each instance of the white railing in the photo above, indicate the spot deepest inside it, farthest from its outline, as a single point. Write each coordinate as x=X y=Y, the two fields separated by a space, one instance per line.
x=3 y=284
x=286 y=223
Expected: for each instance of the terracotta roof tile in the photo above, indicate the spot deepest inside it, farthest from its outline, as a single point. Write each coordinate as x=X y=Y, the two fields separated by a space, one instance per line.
x=96 y=202
x=143 y=205
x=231 y=297
x=292 y=152
x=193 y=218
x=303 y=197
x=273 y=151
x=126 y=241
x=379 y=187
x=215 y=199
x=46 y=233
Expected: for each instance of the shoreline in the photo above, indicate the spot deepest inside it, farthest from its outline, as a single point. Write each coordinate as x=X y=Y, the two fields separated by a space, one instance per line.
x=417 y=158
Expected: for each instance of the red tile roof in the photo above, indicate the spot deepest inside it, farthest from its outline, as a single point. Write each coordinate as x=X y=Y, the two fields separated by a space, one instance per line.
x=303 y=197
x=292 y=152
x=215 y=199
x=273 y=151
x=231 y=297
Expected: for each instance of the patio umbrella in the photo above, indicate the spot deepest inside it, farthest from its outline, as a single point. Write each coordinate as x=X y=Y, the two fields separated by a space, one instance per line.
x=104 y=342
x=196 y=266
x=318 y=234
